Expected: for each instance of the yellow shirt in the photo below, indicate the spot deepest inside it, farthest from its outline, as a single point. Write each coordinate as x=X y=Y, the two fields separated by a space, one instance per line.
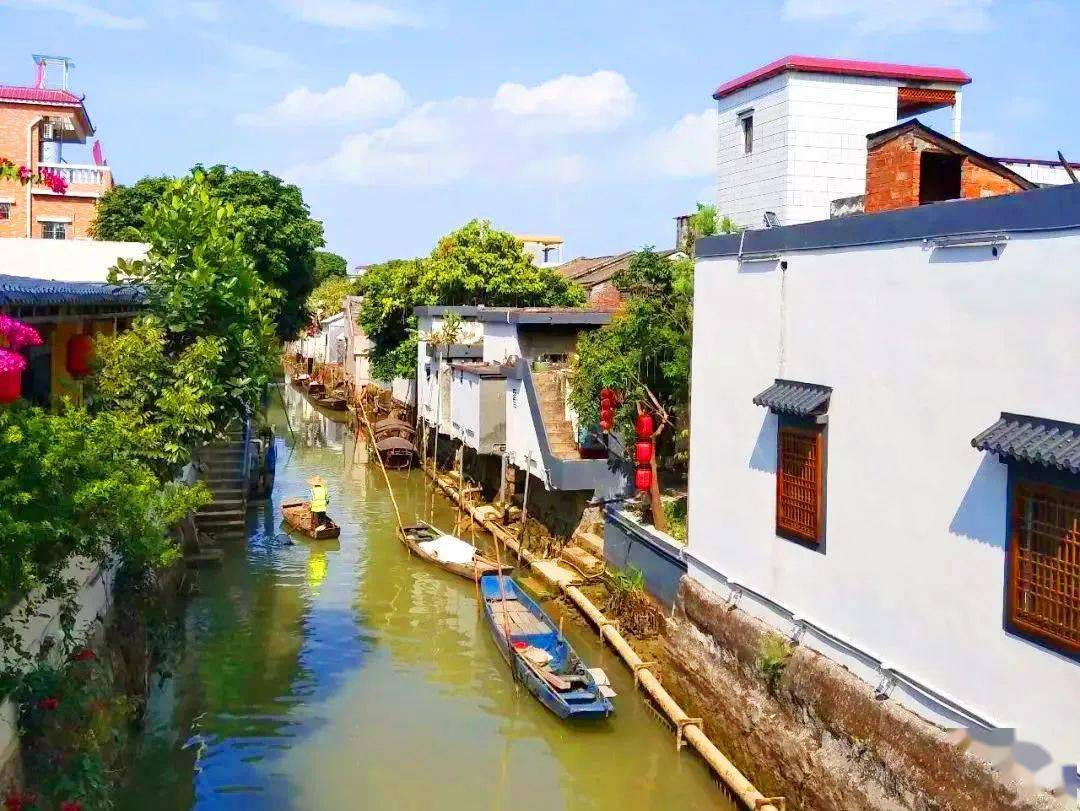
x=319 y=498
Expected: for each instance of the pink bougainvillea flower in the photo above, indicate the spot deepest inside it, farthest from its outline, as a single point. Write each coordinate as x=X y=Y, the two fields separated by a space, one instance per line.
x=11 y=362
x=24 y=173
x=16 y=335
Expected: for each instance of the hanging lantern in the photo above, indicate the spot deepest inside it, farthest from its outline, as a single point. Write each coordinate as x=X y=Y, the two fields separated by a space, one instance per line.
x=11 y=369
x=644 y=425
x=643 y=452
x=80 y=348
x=643 y=478
x=607 y=395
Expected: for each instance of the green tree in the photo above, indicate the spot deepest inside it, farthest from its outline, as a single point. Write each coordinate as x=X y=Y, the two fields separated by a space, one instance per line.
x=271 y=220
x=644 y=353
x=329 y=297
x=707 y=222
x=204 y=296
x=476 y=264
x=329 y=265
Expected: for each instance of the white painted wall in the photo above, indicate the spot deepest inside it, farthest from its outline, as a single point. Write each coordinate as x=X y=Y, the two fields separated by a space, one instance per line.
x=500 y=341
x=68 y=260
x=809 y=144
x=1049 y=175
x=923 y=349
x=522 y=444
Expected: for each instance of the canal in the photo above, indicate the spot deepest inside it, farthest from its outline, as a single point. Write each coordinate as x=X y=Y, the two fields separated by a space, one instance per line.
x=334 y=675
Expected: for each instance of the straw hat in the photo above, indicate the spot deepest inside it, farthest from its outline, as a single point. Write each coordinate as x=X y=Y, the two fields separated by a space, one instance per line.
x=316 y=480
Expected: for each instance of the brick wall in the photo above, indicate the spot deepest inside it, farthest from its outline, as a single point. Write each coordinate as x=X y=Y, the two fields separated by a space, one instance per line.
x=605 y=296
x=892 y=175
x=14 y=120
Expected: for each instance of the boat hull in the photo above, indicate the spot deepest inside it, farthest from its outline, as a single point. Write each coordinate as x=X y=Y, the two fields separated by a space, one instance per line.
x=580 y=702
x=413 y=534
x=299 y=518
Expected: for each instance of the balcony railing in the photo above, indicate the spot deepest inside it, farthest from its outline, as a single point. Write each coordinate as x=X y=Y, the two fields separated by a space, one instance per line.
x=80 y=174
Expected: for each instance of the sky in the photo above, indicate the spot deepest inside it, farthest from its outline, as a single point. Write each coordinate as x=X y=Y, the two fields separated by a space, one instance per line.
x=590 y=119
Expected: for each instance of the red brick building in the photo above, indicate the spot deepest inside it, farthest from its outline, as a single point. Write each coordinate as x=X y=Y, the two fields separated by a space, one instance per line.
x=38 y=124
x=910 y=164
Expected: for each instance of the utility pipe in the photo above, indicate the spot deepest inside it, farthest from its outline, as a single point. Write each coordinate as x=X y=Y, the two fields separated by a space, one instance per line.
x=692 y=732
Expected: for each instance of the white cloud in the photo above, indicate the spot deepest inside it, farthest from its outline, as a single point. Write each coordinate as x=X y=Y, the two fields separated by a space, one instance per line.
x=84 y=12
x=204 y=10
x=442 y=142
x=894 y=16
x=355 y=14
x=600 y=102
x=360 y=99
x=686 y=149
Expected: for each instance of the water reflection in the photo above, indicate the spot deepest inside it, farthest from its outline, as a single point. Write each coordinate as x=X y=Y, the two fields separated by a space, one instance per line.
x=347 y=675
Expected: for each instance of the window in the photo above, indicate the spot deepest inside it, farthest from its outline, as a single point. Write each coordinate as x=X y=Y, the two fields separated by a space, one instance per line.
x=5 y=210
x=747 y=133
x=800 y=480
x=1044 y=587
x=54 y=230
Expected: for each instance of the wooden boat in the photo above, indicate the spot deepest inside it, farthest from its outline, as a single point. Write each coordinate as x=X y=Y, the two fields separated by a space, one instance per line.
x=301 y=380
x=539 y=657
x=393 y=427
x=447 y=551
x=396 y=452
x=298 y=516
x=315 y=388
x=332 y=402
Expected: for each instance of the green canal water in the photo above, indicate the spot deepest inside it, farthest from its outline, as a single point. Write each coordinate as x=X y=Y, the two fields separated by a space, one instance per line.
x=346 y=675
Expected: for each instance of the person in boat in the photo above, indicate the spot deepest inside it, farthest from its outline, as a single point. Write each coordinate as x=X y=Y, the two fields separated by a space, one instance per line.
x=320 y=500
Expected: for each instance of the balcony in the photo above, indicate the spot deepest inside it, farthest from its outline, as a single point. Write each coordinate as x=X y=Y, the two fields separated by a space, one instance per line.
x=83 y=179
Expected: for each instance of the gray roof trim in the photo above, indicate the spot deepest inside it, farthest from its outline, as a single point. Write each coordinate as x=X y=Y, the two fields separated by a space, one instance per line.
x=24 y=290
x=1056 y=208
x=1033 y=439
x=521 y=315
x=795 y=398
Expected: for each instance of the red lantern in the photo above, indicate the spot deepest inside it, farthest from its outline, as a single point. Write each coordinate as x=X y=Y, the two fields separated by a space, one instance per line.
x=644 y=425
x=643 y=478
x=643 y=452
x=80 y=348
x=10 y=386
x=607 y=395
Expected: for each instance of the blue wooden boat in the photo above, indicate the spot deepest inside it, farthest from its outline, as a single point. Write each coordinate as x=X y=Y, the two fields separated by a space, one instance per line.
x=538 y=655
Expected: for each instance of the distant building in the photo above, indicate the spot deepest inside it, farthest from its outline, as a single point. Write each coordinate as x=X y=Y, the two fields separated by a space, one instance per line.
x=545 y=250
x=42 y=127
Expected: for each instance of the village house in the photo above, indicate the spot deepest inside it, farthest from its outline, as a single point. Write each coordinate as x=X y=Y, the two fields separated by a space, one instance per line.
x=45 y=128
x=500 y=389
x=885 y=457
x=793 y=138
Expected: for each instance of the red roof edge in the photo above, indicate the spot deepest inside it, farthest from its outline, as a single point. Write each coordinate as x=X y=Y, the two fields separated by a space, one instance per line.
x=846 y=67
x=46 y=96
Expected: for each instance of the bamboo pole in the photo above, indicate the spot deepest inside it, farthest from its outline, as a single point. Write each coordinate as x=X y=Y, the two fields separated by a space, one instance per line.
x=689 y=728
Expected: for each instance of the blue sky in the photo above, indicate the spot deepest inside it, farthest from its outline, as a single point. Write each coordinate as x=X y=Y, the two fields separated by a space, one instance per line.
x=402 y=120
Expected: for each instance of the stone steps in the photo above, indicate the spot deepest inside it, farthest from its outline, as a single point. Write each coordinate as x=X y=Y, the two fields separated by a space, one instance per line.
x=226 y=515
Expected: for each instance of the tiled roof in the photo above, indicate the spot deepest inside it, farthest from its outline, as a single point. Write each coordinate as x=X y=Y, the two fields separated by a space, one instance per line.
x=593 y=271
x=39 y=95
x=21 y=291
x=845 y=67
x=795 y=398
x=1033 y=439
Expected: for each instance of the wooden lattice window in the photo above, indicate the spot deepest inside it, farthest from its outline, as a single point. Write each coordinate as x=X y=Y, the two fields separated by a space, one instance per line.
x=800 y=482
x=1044 y=592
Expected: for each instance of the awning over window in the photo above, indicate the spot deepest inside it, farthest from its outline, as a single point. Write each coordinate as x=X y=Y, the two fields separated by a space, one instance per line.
x=795 y=398
x=1033 y=439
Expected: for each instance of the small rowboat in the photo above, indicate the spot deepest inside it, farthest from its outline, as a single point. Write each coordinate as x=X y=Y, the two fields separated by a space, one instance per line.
x=315 y=388
x=539 y=656
x=298 y=516
x=396 y=452
x=300 y=380
x=447 y=551
x=331 y=402
x=393 y=427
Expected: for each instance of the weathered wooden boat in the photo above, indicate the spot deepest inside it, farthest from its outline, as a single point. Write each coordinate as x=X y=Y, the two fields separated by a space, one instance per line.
x=315 y=388
x=396 y=452
x=392 y=426
x=299 y=518
x=447 y=551
x=539 y=656
x=301 y=380
x=332 y=402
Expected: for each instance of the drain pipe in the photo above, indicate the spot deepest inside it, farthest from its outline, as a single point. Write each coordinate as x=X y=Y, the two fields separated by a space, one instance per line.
x=29 y=165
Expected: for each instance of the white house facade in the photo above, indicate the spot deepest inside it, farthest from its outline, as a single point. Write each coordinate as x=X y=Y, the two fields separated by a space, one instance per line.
x=885 y=452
